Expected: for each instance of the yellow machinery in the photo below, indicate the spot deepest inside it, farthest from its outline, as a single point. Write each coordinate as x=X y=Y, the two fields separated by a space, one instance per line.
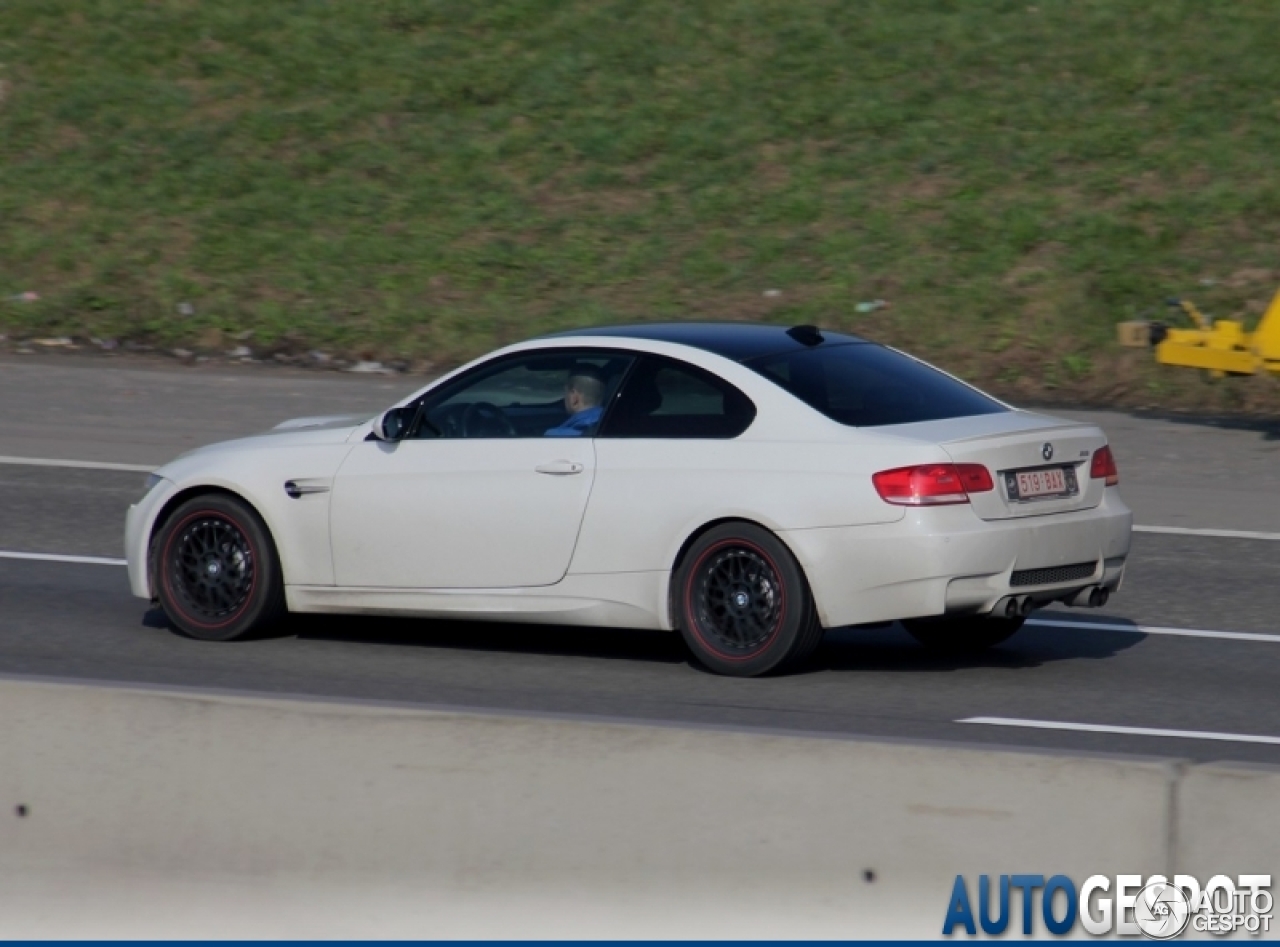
x=1222 y=347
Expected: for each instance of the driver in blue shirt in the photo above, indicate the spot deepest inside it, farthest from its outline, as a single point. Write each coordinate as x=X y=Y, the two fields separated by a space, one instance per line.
x=584 y=400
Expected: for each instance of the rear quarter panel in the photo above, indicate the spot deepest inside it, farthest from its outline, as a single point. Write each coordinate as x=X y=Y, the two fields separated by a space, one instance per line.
x=651 y=495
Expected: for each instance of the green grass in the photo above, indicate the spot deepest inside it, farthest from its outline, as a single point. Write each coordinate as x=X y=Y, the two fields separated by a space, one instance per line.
x=425 y=179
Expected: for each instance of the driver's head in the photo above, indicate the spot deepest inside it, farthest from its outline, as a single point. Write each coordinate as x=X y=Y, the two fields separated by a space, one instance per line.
x=584 y=388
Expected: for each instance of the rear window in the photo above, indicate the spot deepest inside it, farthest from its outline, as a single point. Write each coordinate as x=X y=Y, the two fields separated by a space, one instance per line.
x=866 y=385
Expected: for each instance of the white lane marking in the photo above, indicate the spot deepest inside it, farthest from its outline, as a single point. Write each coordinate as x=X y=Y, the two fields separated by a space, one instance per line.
x=1156 y=630
x=1217 y=533
x=1043 y=622
x=52 y=557
x=1124 y=731
x=77 y=464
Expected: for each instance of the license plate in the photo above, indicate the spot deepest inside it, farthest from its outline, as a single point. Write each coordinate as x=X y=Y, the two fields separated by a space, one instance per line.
x=1041 y=482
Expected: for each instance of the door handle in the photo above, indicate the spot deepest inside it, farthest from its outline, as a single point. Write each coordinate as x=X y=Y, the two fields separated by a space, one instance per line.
x=559 y=468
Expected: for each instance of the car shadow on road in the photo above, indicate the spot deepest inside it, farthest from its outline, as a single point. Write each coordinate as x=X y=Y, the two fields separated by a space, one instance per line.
x=879 y=648
x=517 y=638
x=890 y=648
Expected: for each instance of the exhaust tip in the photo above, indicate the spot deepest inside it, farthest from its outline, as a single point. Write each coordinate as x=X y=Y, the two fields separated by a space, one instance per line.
x=1098 y=597
x=1011 y=608
x=1025 y=607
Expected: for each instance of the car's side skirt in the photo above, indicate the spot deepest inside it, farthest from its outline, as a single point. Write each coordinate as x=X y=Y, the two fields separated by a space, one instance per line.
x=614 y=600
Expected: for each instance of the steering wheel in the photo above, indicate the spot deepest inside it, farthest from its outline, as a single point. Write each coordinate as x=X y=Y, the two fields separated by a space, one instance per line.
x=483 y=418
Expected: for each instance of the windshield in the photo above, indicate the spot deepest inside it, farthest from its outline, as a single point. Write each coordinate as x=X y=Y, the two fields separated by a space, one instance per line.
x=866 y=385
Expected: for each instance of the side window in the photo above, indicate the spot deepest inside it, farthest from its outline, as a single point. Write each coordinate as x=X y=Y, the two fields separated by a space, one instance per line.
x=663 y=397
x=550 y=393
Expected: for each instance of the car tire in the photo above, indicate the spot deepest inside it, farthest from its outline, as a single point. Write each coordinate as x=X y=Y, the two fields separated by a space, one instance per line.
x=968 y=634
x=742 y=604
x=216 y=571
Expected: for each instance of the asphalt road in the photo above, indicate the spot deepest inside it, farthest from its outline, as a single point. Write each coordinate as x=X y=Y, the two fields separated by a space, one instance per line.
x=77 y=621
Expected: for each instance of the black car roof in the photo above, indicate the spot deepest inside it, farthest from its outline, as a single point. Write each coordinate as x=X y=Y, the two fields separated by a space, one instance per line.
x=739 y=341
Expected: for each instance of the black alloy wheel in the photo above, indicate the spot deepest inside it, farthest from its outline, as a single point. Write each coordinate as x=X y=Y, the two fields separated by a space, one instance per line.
x=215 y=569
x=739 y=598
x=742 y=603
x=965 y=634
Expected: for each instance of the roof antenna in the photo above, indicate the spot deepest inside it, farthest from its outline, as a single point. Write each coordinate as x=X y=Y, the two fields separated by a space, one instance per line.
x=806 y=335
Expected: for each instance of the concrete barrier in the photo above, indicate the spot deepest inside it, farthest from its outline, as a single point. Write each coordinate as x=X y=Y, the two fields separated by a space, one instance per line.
x=142 y=813
x=1228 y=821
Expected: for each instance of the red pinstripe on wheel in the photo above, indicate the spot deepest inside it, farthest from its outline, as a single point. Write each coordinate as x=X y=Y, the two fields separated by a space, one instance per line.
x=181 y=596
x=690 y=601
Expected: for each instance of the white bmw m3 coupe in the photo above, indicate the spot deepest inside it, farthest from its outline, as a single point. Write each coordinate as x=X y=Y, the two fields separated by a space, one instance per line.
x=746 y=485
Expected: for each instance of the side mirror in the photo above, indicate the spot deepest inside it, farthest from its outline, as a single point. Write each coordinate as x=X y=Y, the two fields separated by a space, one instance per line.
x=393 y=424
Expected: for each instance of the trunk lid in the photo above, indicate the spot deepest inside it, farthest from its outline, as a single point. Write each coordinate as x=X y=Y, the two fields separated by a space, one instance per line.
x=1020 y=441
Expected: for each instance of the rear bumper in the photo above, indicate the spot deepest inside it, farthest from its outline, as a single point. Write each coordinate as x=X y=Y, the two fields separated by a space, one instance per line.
x=946 y=560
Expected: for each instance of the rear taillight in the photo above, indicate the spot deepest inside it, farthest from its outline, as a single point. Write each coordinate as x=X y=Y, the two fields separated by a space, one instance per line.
x=1104 y=467
x=932 y=484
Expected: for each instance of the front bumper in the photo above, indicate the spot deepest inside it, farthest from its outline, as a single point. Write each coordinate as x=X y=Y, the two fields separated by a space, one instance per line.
x=941 y=560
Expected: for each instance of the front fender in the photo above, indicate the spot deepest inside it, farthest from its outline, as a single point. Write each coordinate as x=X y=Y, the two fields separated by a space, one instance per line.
x=298 y=524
